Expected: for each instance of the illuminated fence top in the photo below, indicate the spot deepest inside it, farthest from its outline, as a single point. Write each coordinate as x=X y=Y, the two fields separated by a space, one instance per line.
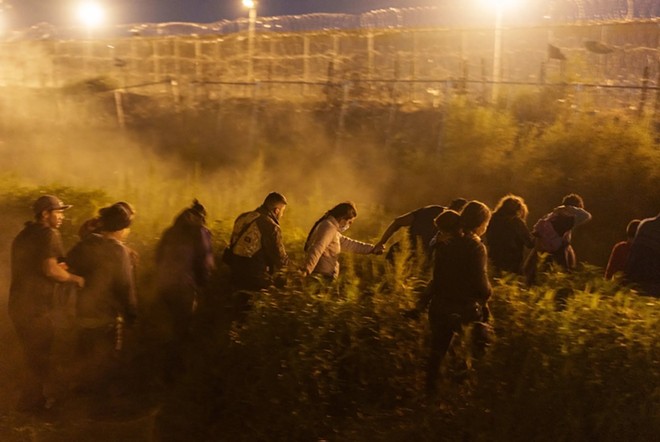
x=451 y=14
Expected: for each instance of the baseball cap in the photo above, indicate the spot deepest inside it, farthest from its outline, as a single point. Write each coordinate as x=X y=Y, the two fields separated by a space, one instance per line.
x=48 y=202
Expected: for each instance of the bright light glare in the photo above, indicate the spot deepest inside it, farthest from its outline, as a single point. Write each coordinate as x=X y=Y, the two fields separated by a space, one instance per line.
x=502 y=5
x=249 y=4
x=91 y=14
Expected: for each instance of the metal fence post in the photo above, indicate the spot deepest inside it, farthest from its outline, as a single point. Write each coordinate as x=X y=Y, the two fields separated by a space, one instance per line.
x=305 y=65
x=657 y=99
x=254 y=121
x=119 y=108
x=645 y=85
x=156 y=60
x=341 y=123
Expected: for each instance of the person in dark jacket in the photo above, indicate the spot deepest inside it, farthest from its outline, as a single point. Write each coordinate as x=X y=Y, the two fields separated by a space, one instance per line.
x=621 y=251
x=256 y=251
x=460 y=288
x=421 y=228
x=508 y=236
x=184 y=262
x=36 y=269
x=108 y=300
x=643 y=266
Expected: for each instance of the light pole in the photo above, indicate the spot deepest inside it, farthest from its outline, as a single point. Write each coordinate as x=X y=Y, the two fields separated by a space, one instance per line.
x=497 y=51
x=91 y=15
x=500 y=6
x=251 y=5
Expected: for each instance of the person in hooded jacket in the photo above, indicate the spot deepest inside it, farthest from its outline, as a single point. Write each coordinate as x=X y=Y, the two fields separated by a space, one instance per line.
x=184 y=262
x=108 y=301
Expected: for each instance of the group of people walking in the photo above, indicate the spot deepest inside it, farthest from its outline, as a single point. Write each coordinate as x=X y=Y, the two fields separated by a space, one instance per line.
x=446 y=239
x=100 y=266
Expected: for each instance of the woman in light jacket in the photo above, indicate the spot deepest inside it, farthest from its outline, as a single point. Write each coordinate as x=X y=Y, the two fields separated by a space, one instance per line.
x=325 y=241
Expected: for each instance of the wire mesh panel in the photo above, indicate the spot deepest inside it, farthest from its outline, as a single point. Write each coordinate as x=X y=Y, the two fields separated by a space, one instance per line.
x=394 y=55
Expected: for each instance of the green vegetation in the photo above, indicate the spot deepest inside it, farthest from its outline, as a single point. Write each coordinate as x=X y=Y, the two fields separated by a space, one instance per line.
x=573 y=359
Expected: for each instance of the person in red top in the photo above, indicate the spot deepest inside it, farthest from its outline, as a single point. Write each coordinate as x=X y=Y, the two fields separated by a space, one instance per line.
x=621 y=251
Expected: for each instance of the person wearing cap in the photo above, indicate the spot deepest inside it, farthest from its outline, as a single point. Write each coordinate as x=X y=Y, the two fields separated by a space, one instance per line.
x=184 y=262
x=36 y=270
x=108 y=298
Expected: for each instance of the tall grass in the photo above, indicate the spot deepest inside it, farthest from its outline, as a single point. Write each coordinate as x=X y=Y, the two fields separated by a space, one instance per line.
x=573 y=359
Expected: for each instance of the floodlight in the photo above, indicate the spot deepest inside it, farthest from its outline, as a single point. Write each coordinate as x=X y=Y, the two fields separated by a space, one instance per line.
x=91 y=14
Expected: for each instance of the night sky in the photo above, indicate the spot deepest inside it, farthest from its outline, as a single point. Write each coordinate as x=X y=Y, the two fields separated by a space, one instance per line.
x=59 y=12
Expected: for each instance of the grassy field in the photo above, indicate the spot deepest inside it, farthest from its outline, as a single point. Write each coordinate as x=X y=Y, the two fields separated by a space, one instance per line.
x=573 y=359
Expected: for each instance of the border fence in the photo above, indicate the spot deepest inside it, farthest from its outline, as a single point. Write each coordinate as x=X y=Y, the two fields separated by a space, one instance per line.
x=611 y=64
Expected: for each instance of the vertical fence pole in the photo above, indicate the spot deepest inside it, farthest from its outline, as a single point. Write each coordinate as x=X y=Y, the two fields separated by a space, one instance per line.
x=397 y=76
x=156 y=60
x=497 y=54
x=196 y=85
x=132 y=63
x=176 y=94
x=252 y=19
x=55 y=74
x=177 y=58
x=269 y=70
x=341 y=123
x=414 y=65
x=271 y=57
x=370 y=57
x=119 y=108
x=484 y=87
x=219 y=65
x=645 y=86
x=199 y=61
x=335 y=55
x=657 y=99
x=305 y=65
x=254 y=121
x=464 y=79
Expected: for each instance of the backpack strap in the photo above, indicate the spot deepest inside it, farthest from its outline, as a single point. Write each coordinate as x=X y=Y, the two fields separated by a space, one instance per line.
x=242 y=232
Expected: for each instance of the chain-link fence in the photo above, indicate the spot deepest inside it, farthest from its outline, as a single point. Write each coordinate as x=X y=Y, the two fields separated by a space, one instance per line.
x=602 y=64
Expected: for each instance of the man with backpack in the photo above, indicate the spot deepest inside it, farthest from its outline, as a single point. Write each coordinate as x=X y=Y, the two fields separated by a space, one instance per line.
x=256 y=251
x=553 y=235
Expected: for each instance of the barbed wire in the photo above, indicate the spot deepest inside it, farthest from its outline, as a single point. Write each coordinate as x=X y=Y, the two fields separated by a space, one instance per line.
x=449 y=14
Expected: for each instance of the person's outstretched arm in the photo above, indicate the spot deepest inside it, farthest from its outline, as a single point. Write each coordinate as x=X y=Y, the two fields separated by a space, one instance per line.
x=399 y=222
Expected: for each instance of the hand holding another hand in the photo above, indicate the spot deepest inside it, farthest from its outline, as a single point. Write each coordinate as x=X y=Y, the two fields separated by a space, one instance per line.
x=378 y=249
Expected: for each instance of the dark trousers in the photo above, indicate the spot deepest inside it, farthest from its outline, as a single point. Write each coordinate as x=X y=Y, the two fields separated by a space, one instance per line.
x=444 y=326
x=97 y=358
x=564 y=257
x=35 y=334
x=176 y=312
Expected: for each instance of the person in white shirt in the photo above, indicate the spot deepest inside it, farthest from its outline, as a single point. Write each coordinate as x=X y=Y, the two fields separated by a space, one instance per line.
x=326 y=241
